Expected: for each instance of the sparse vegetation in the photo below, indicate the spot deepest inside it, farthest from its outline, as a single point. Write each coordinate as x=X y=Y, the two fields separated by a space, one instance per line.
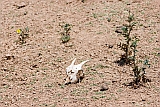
x=130 y=52
x=65 y=34
x=127 y=46
x=139 y=71
x=23 y=34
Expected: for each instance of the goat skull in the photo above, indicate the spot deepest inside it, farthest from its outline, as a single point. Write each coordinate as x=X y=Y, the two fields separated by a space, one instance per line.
x=74 y=72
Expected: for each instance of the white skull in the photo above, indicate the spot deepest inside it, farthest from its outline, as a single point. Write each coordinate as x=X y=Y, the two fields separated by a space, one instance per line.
x=73 y=72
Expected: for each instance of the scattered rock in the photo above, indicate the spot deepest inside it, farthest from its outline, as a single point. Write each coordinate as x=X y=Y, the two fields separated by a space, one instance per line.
x=9 y=57
x=104 y=87
x=20 y=5
x=35 y=66
x=109 y=46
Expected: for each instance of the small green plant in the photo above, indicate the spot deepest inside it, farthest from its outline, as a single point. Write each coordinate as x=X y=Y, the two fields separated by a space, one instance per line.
x=126 y=46
x=23 y=34
x=130 y=52
x=95 y=15
x=139 y=72
x=65 y=33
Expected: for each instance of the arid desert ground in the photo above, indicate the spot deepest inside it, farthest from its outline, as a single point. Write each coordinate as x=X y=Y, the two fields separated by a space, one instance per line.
x=32 y=74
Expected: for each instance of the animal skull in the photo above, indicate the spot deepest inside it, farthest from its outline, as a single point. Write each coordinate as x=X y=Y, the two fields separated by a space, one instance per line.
x=74 y=72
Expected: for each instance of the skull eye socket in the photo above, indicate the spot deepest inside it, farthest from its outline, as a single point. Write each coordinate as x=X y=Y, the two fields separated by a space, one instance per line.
x=70 y=72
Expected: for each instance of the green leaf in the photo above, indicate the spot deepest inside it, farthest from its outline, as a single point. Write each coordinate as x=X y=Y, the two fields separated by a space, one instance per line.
x=65 y=38
x=27 y=29
x=146 y=62
x=130 y=18
x=124 y=29
x=133 y=24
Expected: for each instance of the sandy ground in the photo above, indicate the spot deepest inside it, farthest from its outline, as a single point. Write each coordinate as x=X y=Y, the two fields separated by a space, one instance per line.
x=32 y=74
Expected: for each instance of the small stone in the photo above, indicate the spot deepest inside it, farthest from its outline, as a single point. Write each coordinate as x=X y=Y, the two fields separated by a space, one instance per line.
x=8 y=57
x=20 y=5
x=104 y=87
